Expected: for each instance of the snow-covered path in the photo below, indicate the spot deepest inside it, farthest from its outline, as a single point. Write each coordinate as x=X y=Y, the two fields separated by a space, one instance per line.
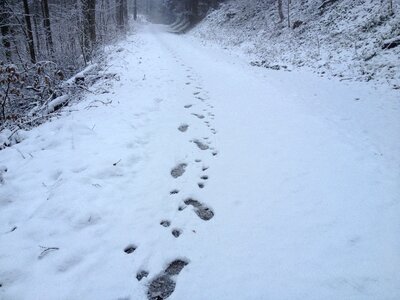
x=211 y=180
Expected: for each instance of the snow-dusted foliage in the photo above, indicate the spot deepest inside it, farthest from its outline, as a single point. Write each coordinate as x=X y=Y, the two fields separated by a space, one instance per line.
x=44 y=44
x=337 y=38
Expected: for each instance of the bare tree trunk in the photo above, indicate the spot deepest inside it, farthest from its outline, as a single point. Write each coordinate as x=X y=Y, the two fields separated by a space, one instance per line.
x=29 y=33
x=288 y=12
x=89 y=26
x=119 y=14
x=135 y=10
x=36 y=17
x=280 y=11
x=37 y=36
x=47 y=26
x=5 y=30
x=125 y=12
x=86 y=39
x=92 y=21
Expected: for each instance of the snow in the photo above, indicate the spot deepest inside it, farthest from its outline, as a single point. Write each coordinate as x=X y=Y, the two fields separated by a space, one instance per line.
x=81 y=74
x=52 y=105
x=301 y=175
x=343 y=40
x=391 y=43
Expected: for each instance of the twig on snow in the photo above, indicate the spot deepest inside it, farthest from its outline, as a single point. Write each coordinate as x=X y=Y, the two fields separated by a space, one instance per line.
x=19 y=151
x=46 y=250
x=116 y=163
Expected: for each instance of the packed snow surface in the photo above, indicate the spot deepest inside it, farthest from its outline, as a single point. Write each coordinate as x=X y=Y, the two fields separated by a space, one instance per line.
x=196 y=176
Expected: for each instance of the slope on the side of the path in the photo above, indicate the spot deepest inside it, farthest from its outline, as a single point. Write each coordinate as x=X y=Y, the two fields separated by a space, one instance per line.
x=344 y=39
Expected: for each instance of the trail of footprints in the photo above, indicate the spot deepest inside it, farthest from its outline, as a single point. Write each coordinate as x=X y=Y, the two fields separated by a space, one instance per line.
x=163 y=285
x=200 y=209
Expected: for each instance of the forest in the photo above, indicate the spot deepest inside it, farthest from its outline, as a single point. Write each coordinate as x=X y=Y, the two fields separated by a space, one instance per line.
x=47 y=42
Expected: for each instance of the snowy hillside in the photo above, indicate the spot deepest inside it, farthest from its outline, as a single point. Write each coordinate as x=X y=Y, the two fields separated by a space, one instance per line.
x=342 y=39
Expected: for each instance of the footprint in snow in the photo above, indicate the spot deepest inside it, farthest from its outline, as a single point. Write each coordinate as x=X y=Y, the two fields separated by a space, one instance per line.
x=183 y=127
x=179 y=170
x=141 y=274
x=174 y=192
x=176 y=232
x=130 y=249
x=198 y=115
x=188 y=106
x=175 y=267
x=165 y=223
x=203 y=212
x=201 y=145
x=162 y=286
